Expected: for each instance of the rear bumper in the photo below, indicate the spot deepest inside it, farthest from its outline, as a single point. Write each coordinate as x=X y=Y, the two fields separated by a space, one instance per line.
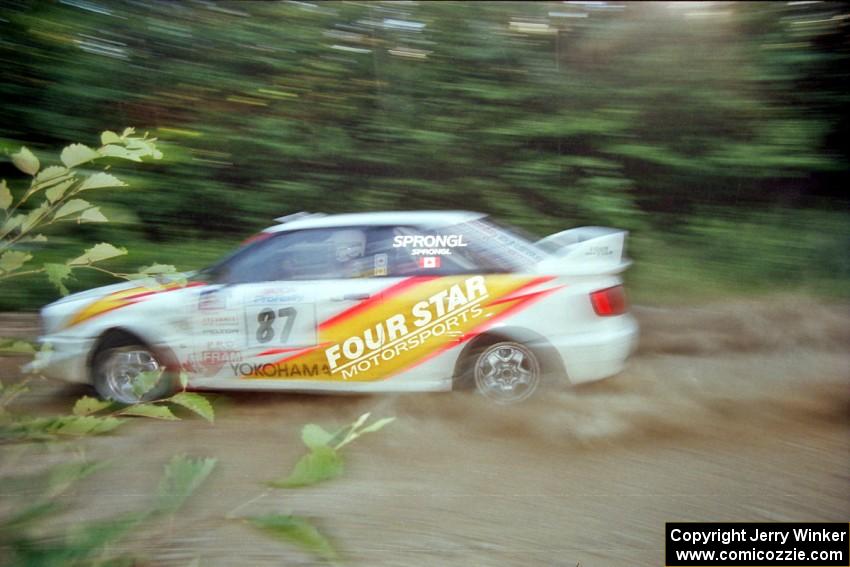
x=589 y=357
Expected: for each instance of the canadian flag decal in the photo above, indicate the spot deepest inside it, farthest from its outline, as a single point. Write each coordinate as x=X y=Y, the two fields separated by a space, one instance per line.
x=429 y=262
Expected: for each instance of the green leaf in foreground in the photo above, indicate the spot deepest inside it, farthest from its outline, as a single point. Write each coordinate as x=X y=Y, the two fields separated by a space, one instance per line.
x=15 y=346
x=85 y=425
x=100 y=180
x=49 y=483
x=5 y=195
x=315 y=436
x=322 y=463
x=157 y=269
x=11 y=260
x=196 y=403
x=102 y=251
x=92 y=215
x=57 y=274
x=71 y=207
x=50 y=175
x=55 y=193
x=26 y=161
x=109 y=137
x=297 y=531
x=378 y=425
x=88 y=405
x=149 y=410
x=61 y=477
x=76 y=154
x=144 y=382
x=44 y=428
x=90 y=539
x=353 y=431
x=182 y=477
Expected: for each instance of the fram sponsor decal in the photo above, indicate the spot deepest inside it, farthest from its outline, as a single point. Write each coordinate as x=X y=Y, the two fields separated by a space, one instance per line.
x=209 y=362
x=219 y=357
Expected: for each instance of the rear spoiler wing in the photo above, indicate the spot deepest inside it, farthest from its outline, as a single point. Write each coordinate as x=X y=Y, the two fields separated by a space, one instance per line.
x=589 y=250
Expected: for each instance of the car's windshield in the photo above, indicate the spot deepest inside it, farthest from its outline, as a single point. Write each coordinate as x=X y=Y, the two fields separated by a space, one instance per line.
x=216 y=272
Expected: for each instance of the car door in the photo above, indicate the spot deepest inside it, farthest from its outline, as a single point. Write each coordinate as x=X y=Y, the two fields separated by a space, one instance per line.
x=376 y=339
x=427 y=289
x=258 y=319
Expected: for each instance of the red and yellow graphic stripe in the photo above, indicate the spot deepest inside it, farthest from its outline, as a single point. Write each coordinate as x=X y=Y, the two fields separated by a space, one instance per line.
x=122 y=298
x=408 y=324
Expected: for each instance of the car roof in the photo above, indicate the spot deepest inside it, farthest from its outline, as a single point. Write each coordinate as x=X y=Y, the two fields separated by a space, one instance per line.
x=414 y=218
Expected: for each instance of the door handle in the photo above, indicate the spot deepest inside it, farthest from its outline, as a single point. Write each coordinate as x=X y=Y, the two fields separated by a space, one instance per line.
x=352 y=297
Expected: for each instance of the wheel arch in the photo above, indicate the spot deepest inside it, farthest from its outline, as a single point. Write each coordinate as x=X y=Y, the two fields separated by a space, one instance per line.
x=113 y=336
x=550 y=360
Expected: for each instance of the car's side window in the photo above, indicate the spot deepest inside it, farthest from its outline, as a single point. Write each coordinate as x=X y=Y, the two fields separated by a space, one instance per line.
x=367 y=252
x=410 y=251
x=449 y=250
x=300 y=255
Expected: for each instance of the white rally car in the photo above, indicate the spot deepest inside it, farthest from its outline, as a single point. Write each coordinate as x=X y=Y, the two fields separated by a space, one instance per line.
x=369 y=302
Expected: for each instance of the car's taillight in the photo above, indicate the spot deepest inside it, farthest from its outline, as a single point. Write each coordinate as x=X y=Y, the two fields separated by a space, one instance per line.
x=609 y=301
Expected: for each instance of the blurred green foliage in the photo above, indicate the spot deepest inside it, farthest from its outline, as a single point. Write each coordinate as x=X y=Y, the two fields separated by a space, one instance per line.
x=28 y=539
x=716 y=132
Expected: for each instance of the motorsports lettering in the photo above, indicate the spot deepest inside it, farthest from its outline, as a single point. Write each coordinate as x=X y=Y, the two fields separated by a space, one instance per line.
x=401 y=327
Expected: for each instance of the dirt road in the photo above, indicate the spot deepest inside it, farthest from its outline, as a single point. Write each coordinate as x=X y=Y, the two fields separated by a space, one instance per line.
x=732 y=412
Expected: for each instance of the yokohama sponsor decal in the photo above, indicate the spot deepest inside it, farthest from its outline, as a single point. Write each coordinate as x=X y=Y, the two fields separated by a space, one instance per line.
x=409 y=323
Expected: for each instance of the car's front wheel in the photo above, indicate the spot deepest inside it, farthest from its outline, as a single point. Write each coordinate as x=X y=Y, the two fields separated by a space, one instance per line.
x=117 y=374
x=506 y=372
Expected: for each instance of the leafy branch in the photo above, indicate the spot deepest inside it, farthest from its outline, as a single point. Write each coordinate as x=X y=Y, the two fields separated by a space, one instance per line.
x=91 y=416
x=156 y=409
x=23 y=538
x=60 y=187
x=322 y=463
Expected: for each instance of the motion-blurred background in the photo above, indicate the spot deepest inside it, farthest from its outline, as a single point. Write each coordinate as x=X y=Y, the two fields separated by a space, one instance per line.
x=717 y=132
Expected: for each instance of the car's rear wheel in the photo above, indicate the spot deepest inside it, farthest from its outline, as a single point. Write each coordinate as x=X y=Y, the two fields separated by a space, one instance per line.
x=506 y=372
x=116 y=368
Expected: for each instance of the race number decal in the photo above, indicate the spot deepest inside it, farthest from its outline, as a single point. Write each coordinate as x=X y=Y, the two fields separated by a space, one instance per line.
x=280 y=325
x=266 y=318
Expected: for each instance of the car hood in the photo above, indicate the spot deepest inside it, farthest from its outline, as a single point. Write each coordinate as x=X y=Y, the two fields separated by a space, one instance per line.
x=54 y=315
x=102 y=291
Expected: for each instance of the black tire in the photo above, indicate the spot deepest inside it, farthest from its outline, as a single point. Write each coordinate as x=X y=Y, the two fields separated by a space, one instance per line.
x=117 y=362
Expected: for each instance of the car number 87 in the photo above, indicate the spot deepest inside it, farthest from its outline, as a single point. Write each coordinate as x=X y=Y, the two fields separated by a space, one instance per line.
x=266 y=324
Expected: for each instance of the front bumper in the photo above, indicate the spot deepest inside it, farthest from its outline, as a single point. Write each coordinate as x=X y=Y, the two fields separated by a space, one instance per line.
x=66 y=359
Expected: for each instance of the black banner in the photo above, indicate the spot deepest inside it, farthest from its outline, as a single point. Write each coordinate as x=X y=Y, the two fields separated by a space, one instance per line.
x=765 y=544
